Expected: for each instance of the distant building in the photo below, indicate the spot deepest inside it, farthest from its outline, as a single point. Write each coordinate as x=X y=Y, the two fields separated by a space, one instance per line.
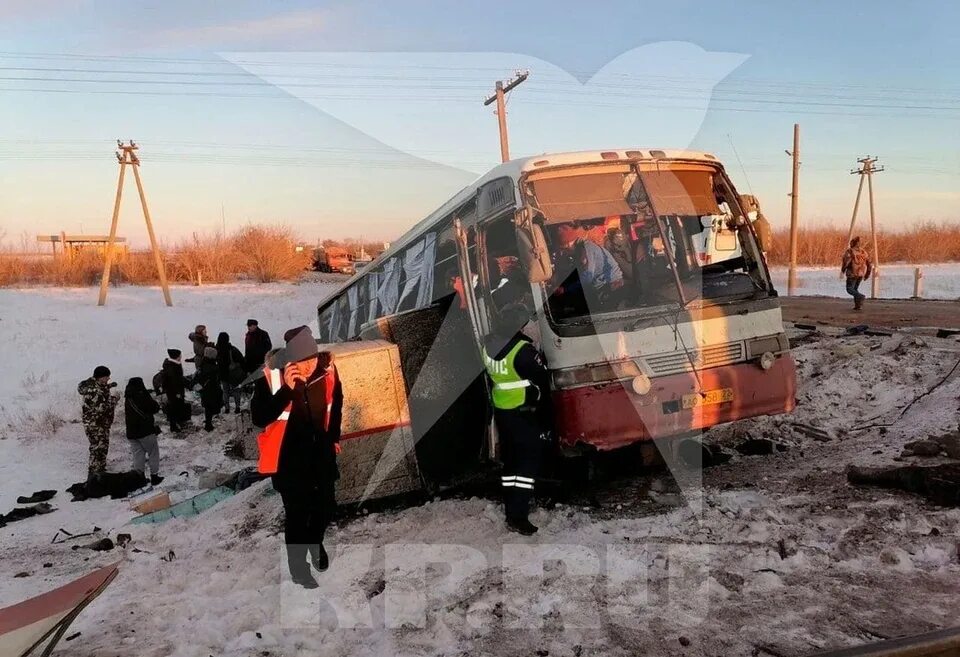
x=72 y=245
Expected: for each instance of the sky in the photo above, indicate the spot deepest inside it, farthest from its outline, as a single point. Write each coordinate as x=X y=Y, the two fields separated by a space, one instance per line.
x=359 y=118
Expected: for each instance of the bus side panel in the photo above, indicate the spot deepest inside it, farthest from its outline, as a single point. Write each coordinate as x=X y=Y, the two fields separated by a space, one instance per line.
x=611 y=415
x=445 y=388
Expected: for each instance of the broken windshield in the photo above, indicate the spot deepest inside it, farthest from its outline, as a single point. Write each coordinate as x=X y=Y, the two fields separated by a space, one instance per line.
x=625 y=238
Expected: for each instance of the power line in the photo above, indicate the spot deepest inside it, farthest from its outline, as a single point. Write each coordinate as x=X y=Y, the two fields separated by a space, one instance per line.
x=339 y=66
x=282 y=95
x=742 y=168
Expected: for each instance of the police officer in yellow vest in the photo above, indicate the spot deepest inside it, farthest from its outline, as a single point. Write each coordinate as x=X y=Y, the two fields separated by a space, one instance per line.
x=520 y=394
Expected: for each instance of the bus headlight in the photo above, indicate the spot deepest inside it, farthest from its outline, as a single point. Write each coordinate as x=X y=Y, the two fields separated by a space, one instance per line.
x=767 y=360
x=641 y=384
x=596 y=374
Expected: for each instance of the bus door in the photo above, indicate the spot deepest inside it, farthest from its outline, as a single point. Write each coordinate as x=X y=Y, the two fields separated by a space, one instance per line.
x=470 y=279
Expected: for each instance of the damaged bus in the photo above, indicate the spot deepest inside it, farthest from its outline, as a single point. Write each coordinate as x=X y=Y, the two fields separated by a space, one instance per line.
x=645 y=337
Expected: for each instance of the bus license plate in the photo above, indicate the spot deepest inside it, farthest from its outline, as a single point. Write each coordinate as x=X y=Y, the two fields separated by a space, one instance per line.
x=708 y=398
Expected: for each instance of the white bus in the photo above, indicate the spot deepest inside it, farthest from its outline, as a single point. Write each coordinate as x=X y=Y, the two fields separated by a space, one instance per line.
x=644 y=337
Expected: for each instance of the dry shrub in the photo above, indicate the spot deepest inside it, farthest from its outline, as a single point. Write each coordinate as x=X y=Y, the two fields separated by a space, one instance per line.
x=13 y=270
x=268 y=253
x=824 y=245
x=209 y=257
x=27 y=425
x=84 y=268
x=138 y=268
x=260 y=253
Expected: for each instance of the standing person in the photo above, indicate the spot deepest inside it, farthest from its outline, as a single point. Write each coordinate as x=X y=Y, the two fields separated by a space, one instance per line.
x=142 y=431
x=199 y=340
x=174 y=387
x=300 y=446
x=520 y=398
x=256 y=344
x=764 y=233
x=619 y=248
x=211 y=393
x=231 y=365
x=857 y=267
x=99 y=404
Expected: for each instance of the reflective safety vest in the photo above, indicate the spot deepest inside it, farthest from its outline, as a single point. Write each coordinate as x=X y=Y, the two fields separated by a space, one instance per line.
x=269 y=442
x=270 y=439
x=509 y=388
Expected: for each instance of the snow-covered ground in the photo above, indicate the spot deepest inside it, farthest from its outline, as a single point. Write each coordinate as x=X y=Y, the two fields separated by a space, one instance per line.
x=783 y=558
x=940 y=281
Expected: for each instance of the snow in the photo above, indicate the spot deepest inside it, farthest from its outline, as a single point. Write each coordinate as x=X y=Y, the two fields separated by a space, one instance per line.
x=940 y=281
x=783 y=554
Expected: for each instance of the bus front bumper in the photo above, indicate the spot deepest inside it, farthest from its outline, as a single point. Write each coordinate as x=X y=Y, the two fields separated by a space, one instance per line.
x=611 y=415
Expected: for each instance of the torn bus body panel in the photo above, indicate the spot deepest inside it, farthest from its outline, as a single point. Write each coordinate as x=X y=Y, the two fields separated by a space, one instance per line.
x=376 y=423
x=445 y=389
x=35 y=626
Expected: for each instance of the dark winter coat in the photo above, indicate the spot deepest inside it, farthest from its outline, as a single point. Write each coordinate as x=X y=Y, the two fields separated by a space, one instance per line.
x=211 y=393
x=199 y=344
x=227 y=356
x=308 y=454
x=139 y=408
x=174 y=385
x=98 y=404
x=256 y=345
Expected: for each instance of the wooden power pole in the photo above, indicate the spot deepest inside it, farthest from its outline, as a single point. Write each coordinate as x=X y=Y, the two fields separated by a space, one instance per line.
x=794 y=211
x=867 y=169
x=498 y=97
x=127 y=156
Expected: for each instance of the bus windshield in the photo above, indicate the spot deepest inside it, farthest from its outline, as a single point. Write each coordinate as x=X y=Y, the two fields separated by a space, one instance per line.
x=625 y=238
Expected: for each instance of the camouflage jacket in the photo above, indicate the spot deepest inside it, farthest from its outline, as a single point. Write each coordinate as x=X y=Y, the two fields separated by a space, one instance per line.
x=98 y=404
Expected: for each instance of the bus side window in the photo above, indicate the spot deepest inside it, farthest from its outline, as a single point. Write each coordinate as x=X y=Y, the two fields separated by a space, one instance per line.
x=323 y=324
x=445 y=269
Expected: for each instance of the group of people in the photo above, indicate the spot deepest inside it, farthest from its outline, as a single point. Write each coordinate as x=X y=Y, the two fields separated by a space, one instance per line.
x=297 y=400
x=220 y=369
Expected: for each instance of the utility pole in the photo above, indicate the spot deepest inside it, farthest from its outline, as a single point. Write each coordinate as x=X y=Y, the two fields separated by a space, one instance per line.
x=127 y=156
x=794 y=210
x=867 y=169
x=502 y=88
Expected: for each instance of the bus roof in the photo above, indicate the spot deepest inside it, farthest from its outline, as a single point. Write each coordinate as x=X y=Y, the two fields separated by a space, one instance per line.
x=515 y=169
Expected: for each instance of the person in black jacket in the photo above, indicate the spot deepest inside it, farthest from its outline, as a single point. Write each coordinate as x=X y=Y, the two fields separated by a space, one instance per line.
x=520 y=396
x=174 y=388
x=211 y=393
x=307 y=468
x=256 y=345
x=232 y=368
x=142 y=431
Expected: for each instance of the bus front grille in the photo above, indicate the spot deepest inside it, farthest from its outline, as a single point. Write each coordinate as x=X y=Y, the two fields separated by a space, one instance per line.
x=676 y=362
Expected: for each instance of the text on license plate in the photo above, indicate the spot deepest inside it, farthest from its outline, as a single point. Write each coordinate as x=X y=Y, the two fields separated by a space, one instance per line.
x=708 y=398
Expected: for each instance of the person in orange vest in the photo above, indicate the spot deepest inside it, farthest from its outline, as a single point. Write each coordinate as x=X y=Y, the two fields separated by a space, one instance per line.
x=299 y=403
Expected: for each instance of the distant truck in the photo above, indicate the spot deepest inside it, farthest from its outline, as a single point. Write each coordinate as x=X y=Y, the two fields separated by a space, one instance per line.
x=333 y=260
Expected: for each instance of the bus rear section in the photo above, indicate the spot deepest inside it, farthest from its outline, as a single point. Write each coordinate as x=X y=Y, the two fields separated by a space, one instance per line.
x=659 y=317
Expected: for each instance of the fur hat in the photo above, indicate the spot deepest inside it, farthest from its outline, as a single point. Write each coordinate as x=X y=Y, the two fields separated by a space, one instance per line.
x=101 y=371
x=173 y=354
